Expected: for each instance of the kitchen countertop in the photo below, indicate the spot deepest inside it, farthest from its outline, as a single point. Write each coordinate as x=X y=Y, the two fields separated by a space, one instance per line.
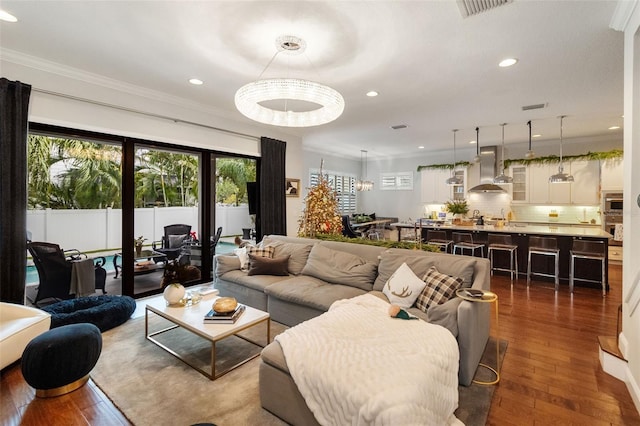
x=550 y=229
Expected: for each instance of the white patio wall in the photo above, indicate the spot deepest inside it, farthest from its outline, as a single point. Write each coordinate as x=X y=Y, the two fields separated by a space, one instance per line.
x=101 y=229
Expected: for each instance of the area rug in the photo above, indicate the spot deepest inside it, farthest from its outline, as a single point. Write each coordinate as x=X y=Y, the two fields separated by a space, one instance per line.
x=152 y=387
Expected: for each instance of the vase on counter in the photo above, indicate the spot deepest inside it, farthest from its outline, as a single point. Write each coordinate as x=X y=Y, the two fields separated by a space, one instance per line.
x=138 y=250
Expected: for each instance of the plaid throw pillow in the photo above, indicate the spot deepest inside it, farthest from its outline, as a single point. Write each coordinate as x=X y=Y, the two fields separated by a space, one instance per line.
x=440 y=288
x=260 y=251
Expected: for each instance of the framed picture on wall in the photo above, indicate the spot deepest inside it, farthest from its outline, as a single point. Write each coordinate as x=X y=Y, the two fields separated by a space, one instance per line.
x=292 y=187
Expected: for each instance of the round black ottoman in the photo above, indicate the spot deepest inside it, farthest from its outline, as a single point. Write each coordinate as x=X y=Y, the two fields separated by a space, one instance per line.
x=105 y=312
x=59 y=360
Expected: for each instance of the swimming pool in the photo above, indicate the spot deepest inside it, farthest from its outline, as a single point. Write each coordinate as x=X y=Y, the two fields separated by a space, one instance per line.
x=32 y=272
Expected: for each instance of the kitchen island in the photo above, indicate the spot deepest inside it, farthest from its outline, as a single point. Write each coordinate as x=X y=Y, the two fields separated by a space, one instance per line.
x=520 y=236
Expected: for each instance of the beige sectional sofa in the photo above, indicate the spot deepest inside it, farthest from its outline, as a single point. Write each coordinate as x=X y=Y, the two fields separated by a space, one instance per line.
x=321 y=272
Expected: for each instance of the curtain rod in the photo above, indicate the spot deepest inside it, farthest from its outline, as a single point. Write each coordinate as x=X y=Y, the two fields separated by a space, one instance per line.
x=148 y=114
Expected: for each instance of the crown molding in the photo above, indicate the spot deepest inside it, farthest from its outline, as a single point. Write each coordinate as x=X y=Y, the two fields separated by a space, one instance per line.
x=622 y=14
x=44 y=65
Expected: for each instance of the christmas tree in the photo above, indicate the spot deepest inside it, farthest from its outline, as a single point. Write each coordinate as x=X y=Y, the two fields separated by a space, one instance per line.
x=321 y=214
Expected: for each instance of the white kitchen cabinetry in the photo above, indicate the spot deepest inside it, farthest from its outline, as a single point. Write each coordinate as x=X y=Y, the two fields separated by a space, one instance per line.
x=584 y=189
x=543 y=192
x=434 y=187
x=519 y=189
x=611 y=175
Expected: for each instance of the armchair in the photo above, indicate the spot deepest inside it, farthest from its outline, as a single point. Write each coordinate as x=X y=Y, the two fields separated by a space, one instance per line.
x=173 y=240
x=55 y=270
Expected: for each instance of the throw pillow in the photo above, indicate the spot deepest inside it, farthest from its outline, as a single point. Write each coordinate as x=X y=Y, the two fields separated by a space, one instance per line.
x=243 y=256
x=260 y=265
x=176 y=241
x=403 y=287
x=259 y=251
x=339 y=267
x=226 y=263
x=298 y=253
x=439 y=288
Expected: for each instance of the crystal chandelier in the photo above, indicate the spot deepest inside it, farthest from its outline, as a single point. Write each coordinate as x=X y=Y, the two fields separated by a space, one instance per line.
x=249 y=97
x=363 y=184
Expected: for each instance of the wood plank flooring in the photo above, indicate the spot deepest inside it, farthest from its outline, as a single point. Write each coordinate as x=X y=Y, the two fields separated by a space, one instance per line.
x=550 y=375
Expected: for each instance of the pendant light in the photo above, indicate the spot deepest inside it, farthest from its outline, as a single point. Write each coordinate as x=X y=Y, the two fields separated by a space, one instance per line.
x=363 y=184
x=476 y=159
x=530 y=154
x=454 y=180
x=502 y=178
x=561 y=176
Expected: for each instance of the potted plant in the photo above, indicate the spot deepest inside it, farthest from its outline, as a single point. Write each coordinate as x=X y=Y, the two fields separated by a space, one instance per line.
x=138 y=244
x=457 y=208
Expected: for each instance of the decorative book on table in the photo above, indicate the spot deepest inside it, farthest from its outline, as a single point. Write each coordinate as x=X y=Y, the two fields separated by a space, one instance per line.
x=224 y=317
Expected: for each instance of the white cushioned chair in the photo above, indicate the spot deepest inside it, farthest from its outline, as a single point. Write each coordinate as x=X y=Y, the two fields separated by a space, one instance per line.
x=18 y=325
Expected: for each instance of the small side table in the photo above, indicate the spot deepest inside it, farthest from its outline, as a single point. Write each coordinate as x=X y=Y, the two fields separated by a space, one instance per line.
x=486 y=297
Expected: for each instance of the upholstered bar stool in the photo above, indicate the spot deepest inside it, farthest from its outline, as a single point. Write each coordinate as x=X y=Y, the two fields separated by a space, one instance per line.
x=439 y=238
x=591 y=250
x=464 y=241
x=503 y=243
x=544 y=246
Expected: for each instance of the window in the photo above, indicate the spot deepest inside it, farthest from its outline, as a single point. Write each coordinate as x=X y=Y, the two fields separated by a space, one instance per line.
x=396 y=181
x=343 y=184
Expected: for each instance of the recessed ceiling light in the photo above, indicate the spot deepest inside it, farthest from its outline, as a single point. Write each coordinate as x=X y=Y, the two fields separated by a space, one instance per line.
x=372 y=94
x=472 y=142
x=536 y=136
x=614 y=127
x=507 y=62
x=6 y=16
x=196 y=82
x=421 y=147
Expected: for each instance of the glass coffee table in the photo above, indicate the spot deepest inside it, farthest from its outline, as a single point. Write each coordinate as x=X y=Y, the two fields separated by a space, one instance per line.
x=146 y=262
x=191 y=318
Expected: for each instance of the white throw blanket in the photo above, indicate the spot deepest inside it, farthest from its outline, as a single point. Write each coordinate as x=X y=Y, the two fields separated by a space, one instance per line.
x=355 y=365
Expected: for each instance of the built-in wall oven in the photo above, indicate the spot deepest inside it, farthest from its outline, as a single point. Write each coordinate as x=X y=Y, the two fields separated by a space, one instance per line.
x=612 y=204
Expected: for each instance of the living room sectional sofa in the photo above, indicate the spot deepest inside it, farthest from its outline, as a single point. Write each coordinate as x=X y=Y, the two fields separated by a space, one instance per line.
x=319 y=276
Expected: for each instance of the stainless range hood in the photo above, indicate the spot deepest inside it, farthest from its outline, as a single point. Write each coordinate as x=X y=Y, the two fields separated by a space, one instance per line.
x=487 y=172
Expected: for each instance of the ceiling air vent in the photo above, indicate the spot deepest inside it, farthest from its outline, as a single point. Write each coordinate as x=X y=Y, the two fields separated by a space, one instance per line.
x=536 y=106
x=399 y=126
x=473 y=7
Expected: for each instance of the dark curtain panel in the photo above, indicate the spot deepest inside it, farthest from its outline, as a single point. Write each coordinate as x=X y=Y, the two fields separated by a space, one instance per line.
x=271 y=217
x=14 y=109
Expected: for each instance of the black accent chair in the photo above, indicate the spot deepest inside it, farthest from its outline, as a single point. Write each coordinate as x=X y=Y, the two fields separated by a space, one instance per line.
x=347 y=230
x=54 y=270
x=173 y=240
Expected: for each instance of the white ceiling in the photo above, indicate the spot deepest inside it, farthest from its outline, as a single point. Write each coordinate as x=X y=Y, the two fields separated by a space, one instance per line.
x=434 y=69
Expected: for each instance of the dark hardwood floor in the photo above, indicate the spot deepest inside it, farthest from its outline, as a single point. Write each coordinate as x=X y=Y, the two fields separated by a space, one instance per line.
x=550 y=375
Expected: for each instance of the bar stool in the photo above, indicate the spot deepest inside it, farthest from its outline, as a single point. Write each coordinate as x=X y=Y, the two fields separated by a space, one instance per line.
x=504 y=243
x=439 y=238
x=464 y=241
x=591 y=250
x=544 y=246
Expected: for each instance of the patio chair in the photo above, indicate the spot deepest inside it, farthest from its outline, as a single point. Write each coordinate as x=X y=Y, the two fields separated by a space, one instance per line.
x=55 y=267
x=174 y=238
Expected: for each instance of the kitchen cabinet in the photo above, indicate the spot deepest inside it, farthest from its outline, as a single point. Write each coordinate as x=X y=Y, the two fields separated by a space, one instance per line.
x=584 y=189
x=520 y=187
x=611 y=177
x=543 y=192
x=435 y=189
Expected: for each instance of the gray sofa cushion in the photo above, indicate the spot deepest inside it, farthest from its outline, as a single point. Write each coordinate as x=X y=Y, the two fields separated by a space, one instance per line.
x=298 y=253
x=309 y=291
x=420 y=262
x=255 y=282
x=339 y=267
x=226 y=263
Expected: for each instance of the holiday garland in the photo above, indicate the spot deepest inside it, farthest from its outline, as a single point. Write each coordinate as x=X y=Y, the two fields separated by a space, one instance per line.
x=602 y=155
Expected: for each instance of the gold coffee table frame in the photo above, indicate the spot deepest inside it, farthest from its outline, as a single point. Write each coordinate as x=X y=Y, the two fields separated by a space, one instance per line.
x=191 y=318
x=487 y=297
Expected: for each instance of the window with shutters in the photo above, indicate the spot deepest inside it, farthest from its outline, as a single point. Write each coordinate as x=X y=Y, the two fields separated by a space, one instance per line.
x=343 y=184
x=396 y=181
